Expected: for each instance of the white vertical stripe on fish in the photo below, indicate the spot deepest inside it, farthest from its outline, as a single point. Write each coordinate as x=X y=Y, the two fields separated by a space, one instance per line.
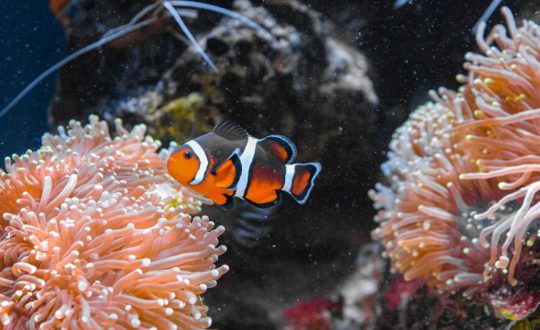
x=289 y=175
x=246 y=159
x=203 y=162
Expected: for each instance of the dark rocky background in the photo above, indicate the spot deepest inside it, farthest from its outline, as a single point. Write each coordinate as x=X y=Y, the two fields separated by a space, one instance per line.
x=340 y=78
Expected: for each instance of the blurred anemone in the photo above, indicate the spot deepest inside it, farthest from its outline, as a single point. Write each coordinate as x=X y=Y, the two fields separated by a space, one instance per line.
x=461 y=207
x=95 y=234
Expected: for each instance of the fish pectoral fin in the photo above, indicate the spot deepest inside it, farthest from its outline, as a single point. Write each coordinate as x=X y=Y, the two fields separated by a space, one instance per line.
x=228 y=173
x=280 y=146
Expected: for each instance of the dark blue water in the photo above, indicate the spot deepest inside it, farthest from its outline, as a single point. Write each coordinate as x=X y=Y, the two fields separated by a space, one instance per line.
x=31 y=40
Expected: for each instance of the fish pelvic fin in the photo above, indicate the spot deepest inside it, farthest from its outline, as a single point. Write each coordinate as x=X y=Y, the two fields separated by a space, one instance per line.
x=228 y=173
x=224 y=198
x=299 y=180
x=281 y=147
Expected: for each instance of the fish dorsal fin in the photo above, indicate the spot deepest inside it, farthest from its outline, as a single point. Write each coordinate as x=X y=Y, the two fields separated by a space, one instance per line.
x=230 y=130
x=228 y=173
x=280 y=146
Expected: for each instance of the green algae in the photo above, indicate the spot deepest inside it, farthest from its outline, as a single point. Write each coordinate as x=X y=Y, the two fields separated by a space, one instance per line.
x=180 y=116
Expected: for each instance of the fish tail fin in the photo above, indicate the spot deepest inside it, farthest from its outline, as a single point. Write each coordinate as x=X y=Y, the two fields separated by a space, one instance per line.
x=299 y=180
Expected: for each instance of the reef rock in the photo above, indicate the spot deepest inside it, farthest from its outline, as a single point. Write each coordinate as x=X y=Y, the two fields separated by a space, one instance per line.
x=308 y=84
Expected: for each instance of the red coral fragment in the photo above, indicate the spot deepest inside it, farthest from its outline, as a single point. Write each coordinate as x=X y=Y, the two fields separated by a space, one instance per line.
x=401 y=291
x=314 y=314
x=517 y=306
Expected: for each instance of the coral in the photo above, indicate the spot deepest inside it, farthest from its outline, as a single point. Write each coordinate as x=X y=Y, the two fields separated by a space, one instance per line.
x=95 y=232
x=360 y=292
x=400 y=292
x=461 y=207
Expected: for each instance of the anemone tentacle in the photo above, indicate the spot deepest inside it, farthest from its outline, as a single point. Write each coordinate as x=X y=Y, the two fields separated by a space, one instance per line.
x=462 y=203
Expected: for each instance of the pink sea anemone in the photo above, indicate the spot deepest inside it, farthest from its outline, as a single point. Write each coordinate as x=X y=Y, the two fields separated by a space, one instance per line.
x=427 y=212
x=95 y=234
x=462 y=203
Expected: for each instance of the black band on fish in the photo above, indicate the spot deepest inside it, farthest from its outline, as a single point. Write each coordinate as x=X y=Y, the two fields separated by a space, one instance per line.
x=235 y=158
x=231 y=165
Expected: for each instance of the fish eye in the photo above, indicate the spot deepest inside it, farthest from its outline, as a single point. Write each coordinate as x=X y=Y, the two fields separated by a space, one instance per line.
x=188 y=154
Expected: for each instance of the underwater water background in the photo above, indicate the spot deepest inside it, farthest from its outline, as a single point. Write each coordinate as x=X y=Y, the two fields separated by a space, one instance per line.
x=30 y=41
x=411 y=49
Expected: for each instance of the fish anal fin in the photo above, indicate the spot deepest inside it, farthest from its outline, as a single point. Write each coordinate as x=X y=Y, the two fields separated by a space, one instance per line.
x=272 y=201
x=228 y=173
x=280 y=146
x=230 y=130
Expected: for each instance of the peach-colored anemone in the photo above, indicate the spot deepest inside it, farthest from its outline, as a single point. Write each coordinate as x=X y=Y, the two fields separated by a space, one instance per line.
x=464 y=171
x=96 y=234
x=426 y=217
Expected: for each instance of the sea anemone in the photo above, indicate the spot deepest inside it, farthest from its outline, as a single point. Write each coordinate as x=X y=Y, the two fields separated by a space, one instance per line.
x=96 y=234
x=461 y=206
x=427 y=213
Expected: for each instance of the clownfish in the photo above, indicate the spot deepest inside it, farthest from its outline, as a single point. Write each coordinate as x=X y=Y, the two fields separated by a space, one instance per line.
x=228 y=162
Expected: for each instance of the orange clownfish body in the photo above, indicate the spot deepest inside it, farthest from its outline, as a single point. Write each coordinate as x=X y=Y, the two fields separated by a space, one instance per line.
x=228 y=162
